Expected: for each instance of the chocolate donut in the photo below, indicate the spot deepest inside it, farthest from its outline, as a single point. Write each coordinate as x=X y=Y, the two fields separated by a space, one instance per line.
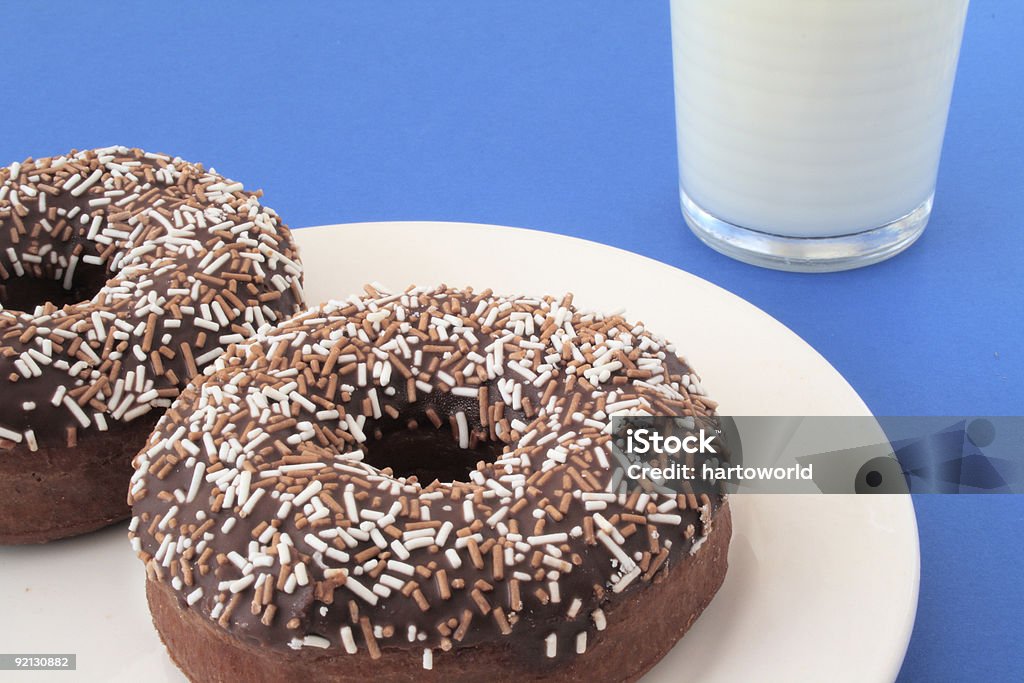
x=420 y=485
x=122 y=274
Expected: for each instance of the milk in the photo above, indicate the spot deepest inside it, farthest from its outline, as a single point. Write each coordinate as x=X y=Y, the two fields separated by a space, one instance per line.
x=812 y=118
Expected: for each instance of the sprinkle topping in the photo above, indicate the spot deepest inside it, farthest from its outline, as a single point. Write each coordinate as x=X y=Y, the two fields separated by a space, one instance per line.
x=342 y=425
x=166 y=265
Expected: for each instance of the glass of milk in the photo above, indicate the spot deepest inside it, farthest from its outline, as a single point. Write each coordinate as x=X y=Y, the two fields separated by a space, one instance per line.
x=809 y=131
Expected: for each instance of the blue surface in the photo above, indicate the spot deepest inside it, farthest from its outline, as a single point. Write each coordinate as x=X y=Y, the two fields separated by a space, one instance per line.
x=558 y=116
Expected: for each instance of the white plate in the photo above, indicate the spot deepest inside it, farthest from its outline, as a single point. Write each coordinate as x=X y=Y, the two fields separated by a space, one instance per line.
x=819 y=587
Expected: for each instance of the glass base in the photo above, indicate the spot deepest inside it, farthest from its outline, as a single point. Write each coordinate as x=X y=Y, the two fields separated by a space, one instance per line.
x=806 y=254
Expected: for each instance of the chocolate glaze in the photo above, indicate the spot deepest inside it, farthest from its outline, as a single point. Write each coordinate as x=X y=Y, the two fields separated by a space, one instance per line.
x=317 y=355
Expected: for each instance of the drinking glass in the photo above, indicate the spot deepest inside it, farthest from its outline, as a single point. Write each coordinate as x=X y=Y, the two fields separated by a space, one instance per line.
x=809 y=131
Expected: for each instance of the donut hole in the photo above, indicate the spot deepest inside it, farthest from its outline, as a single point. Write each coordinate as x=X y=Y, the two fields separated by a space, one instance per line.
x=26 y=292
x=427 y=453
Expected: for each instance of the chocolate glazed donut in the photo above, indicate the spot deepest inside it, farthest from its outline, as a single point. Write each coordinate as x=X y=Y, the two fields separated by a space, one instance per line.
x=420 y=485
x=122 y=274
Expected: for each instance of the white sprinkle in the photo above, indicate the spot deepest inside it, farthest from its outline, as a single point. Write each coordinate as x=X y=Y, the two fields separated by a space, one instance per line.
x=401 y=567
x=494 y=519
x=315 y=543
x=316 y=641
x=209 y=355
x=220 y=261
x=609 y=528
x=621 y=405
x=523 y=371
x=442 y=533
x=626 y=580
x=660 y=518
x=350 y=505
x=548 y=538
x=625 y=560
x=354 y=428
x=251 y=503
x=392 y=582
x=10 y=435
x=360 y=590
x=97 y=323
x=241 y=584
x=400 y=550
x=135 y=412
x=69 y=274
x=418 y=533
x=347 y=640
x=419 y=543
x=245 y=481
x=460 y=420
x=311 y=490
x=89 y=182
x=194 y=596
x=374 y=403
x=551 y=645
x=73 y=406
x=336 y=554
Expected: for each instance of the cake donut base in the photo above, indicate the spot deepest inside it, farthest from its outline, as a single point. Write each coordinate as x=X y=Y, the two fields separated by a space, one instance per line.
x=58 y=491
x=643 y=626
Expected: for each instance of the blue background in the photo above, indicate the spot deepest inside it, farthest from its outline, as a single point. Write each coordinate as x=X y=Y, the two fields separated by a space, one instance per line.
x=558 y=116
